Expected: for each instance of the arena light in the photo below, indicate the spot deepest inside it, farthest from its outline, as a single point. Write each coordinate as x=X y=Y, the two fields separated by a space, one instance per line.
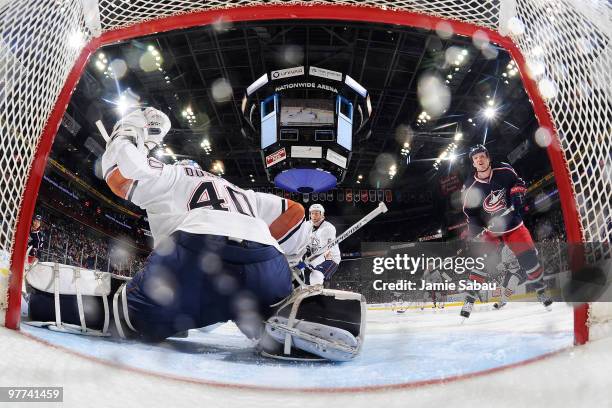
x=537 y=51
x=356 y=86
x=405 y=149
x=206 y=146
x=123 y=104
x=458 y=136
x=218 y=168
x=489 y=112
x=169 y=152
x=423 y=117
x=243 y=104
x=189 y=115
x=101 y=62
x=261 y=81
x=76 y=39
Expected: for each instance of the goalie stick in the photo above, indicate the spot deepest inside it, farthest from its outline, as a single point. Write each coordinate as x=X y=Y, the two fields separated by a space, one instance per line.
x=102 y=130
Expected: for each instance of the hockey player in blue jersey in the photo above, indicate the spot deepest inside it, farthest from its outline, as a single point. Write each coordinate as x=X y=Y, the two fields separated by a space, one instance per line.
x=492 y=202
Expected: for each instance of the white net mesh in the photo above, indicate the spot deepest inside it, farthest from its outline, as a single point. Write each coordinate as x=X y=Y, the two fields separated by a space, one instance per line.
x=566 y=44
x=572 y=45
x=39 y=43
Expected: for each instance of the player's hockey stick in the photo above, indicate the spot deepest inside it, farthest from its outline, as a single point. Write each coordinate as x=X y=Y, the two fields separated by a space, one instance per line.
x=487 y=228
x=381 y=209
x=491 y=224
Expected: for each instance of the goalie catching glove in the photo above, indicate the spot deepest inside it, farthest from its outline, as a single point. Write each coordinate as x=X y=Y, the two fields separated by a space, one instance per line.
x=316 y=324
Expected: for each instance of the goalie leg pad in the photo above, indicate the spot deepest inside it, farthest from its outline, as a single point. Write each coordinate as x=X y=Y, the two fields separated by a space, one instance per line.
x=316 y=323
x=322 y=340
x=70 y=299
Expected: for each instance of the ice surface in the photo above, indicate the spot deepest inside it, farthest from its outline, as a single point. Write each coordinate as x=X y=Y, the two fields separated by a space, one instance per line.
x=577 y=377
x=399 y=348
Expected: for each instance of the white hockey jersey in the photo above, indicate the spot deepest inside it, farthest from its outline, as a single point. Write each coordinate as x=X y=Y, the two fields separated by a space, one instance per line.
x=178 y=197
x=432 y=276
x=320 y=236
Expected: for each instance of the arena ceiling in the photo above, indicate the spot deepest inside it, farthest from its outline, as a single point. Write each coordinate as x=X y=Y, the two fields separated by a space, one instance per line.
x=208 y=69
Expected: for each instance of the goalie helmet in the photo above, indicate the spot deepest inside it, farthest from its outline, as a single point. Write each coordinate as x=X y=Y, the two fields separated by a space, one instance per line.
x=157 y=127
x=316 y=324
x=146 y=128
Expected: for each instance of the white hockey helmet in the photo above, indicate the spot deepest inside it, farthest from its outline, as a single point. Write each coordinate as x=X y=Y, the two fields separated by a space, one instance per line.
x=317 y=207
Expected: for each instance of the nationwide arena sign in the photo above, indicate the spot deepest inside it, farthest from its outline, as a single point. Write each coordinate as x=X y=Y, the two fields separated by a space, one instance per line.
x=313 y=85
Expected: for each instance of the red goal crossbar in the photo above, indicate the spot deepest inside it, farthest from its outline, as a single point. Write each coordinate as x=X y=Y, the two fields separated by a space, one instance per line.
x=289 y=12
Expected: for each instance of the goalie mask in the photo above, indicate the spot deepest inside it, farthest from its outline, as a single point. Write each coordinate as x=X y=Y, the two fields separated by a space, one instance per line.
x=316 y=324
x=146 y=128
x=157 y=127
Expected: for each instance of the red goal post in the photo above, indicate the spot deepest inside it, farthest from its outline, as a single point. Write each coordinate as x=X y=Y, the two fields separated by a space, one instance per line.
x=577 y=118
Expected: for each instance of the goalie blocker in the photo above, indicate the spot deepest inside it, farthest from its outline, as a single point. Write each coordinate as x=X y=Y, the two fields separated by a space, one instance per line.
x=311 y=324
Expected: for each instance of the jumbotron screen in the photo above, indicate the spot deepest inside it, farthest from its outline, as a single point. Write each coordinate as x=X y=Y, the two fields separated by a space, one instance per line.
x=307 y=112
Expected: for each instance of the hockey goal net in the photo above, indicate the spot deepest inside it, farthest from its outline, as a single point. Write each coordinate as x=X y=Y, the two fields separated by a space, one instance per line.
x=562 y=49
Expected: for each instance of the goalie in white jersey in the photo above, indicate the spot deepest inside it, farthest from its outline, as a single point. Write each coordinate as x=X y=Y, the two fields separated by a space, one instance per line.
x=217 y=257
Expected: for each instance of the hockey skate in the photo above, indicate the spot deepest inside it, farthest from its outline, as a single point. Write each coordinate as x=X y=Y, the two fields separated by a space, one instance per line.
x=544 y=298
x=499 y=305
x=468 y=305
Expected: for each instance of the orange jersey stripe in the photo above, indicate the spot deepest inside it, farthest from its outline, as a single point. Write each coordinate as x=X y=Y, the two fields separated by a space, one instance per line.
x=288 y=220
x=119 y=184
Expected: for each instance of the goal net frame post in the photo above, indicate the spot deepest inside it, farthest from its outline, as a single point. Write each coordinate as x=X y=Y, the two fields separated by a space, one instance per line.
x=286 y=12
